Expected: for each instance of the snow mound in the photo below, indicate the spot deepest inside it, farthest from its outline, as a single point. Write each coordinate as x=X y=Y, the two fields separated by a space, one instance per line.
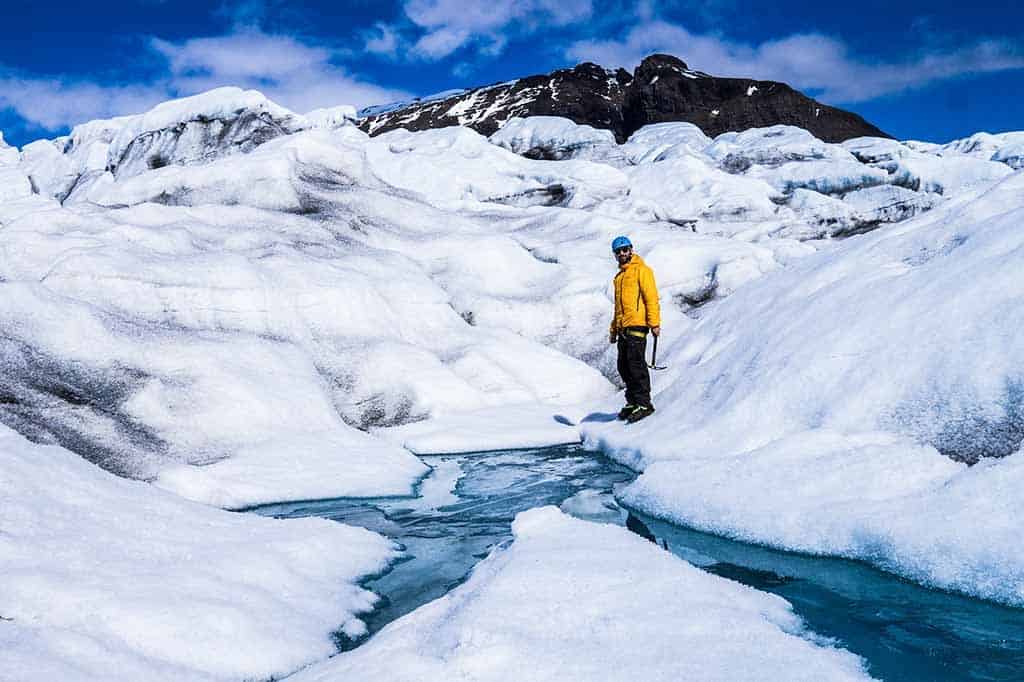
x=887 y=204
x=873 y=497
x=61 y=166
x=9 y=156
x=835 y=217
x=947 y=174
x=1005 y=148
x=52 y=173
x=685 y=189
x=552 y=138
x=13 y=185
x=103 y=574
x=452 y=167
x=877 y=149
x=772 y=146
x=661 y=141
x=826 y=177
x=291 y=174
x=332 y=117
x=197 y=129
x=557 y=603
x=923 y=147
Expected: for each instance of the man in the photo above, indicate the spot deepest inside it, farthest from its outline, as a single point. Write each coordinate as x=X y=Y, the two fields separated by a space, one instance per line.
x=636 y=312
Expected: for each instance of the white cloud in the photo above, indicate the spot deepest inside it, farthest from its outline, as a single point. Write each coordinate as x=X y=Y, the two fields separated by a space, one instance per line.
x=382 y=39
x=452 y=24
x=246 y=53
x=295 y=74
x=53 y=103
x=440 y=43
x=808 y=61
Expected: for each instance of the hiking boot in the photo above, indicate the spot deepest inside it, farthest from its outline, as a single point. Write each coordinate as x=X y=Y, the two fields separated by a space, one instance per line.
x=626 y=411
x=639 y=412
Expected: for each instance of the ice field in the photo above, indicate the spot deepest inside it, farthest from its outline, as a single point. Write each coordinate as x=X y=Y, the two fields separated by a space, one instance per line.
x=234 y=305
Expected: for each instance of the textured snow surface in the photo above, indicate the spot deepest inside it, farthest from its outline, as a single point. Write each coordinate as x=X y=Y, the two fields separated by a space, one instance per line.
x=188 y=338
x=251 y=340
x=13 y=184
x=106 y=578
x=504 y=428
x=197 y=129
x=912 y=331
x=685 y=188
x=875 y=497
x=448 y=166
x=8 y=154
x=52 y=173
x=236 y=302
x=331 y=117
x=876 y=149
x=574 y=600
x=550 y=137
x=660 y=141
x=772 y=146
x=1005 y=148
x=947 y=175
x=826 y=177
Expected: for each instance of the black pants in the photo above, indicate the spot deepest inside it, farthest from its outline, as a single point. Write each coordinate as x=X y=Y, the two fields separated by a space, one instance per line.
x=633 y=368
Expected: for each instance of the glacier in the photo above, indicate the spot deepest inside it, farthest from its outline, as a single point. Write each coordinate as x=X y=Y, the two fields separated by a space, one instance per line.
x=239 y=304
x=890 y=362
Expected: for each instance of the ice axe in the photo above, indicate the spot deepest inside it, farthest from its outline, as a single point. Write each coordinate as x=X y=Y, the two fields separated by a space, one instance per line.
x=653 y=364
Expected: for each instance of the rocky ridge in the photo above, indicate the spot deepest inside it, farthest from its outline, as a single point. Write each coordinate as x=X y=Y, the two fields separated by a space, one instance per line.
x=662 y=89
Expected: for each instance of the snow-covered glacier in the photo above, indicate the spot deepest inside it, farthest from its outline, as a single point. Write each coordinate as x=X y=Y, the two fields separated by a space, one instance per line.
x=833 y=407
x=107 y=578
x=241 y=304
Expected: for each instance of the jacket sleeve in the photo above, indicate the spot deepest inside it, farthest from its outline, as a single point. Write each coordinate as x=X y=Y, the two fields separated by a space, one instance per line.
x=613 y=327
x=649 y=292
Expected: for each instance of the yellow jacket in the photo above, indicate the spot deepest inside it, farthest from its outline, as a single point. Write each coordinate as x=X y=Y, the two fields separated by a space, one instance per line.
x=636 y=297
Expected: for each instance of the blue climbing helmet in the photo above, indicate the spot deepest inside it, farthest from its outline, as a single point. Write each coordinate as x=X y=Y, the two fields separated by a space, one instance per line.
x=619 y=242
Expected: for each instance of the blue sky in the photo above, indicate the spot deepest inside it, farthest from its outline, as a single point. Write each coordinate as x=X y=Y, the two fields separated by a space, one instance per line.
x=926 y=70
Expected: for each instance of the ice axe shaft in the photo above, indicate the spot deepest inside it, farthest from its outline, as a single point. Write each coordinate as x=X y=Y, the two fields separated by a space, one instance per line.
x=653 y=364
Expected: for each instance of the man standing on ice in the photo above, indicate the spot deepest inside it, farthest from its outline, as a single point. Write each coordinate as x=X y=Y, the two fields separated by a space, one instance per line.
x=636 y=313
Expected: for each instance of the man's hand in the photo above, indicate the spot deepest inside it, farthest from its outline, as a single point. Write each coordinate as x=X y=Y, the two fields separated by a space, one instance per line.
x=656 y=331
x=612 y=337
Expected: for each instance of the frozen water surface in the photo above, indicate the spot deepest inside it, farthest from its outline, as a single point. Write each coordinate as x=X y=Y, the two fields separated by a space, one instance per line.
x=467 y=505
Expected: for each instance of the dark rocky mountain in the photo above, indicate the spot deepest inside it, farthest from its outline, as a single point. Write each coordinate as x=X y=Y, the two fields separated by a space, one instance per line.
x=662 y=88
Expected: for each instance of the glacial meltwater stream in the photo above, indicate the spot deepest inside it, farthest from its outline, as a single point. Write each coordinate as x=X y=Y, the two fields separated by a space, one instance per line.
x=465 y=508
